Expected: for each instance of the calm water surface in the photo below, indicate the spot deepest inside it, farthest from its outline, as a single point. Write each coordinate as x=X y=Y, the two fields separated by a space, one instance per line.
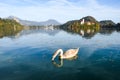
x=27 y=56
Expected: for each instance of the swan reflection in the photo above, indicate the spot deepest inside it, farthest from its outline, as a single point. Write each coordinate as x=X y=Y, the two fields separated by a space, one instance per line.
x=60 y=63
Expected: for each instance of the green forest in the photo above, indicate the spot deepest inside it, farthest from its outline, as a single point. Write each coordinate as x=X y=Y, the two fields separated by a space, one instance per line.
x=9 y=27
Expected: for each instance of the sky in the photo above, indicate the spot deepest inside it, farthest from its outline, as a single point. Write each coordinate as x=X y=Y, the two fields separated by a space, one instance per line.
x=60 y=10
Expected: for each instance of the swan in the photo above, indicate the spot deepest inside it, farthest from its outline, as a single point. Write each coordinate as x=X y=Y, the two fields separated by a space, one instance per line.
x=68 y=54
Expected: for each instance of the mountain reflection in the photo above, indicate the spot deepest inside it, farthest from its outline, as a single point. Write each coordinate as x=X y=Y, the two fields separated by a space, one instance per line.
x=85 y=32
x=17 y=32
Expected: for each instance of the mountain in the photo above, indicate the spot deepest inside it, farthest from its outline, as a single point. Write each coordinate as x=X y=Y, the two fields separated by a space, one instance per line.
x=34 y=23
x=107 y=23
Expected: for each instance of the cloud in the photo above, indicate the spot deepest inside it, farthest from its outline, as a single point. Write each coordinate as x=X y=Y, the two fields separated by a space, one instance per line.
x=61 y=10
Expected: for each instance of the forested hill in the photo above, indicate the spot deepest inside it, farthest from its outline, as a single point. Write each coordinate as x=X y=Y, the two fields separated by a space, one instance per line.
x=83 y=22
x=9 y=27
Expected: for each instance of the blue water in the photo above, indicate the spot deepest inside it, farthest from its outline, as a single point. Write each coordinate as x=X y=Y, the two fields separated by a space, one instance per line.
x=27 y=56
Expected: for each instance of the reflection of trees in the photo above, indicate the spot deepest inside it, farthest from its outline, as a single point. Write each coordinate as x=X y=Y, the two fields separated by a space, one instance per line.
x=89 y=31
x=107 y=30
x=84 y=30
x=9 y=27
x=118 y=27
x=11 y=31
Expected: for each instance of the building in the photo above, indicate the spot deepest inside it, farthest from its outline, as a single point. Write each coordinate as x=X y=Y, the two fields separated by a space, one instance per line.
x=82 y=22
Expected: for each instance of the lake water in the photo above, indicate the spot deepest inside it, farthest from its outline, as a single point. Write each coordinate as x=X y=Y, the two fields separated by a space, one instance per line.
x=27 y=56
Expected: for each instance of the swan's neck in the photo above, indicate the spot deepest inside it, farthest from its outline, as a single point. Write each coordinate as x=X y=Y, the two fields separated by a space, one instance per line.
x=57 y=52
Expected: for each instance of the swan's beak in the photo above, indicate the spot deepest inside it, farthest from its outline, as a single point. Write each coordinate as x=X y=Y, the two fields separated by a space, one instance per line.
x=52 y=61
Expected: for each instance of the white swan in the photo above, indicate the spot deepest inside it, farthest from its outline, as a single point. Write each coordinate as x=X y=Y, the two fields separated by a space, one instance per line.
x=68 y=54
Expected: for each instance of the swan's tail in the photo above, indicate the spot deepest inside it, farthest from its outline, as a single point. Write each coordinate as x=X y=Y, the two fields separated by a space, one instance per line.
x=77 y=50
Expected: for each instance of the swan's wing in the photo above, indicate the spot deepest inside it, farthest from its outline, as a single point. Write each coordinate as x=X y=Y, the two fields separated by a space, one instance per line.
x=70 y=53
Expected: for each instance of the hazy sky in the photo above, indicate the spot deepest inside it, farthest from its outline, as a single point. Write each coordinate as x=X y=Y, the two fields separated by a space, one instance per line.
x=61 y=10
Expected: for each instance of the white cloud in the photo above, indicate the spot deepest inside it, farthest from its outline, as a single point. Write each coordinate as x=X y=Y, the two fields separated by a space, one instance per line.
x=61 y=10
